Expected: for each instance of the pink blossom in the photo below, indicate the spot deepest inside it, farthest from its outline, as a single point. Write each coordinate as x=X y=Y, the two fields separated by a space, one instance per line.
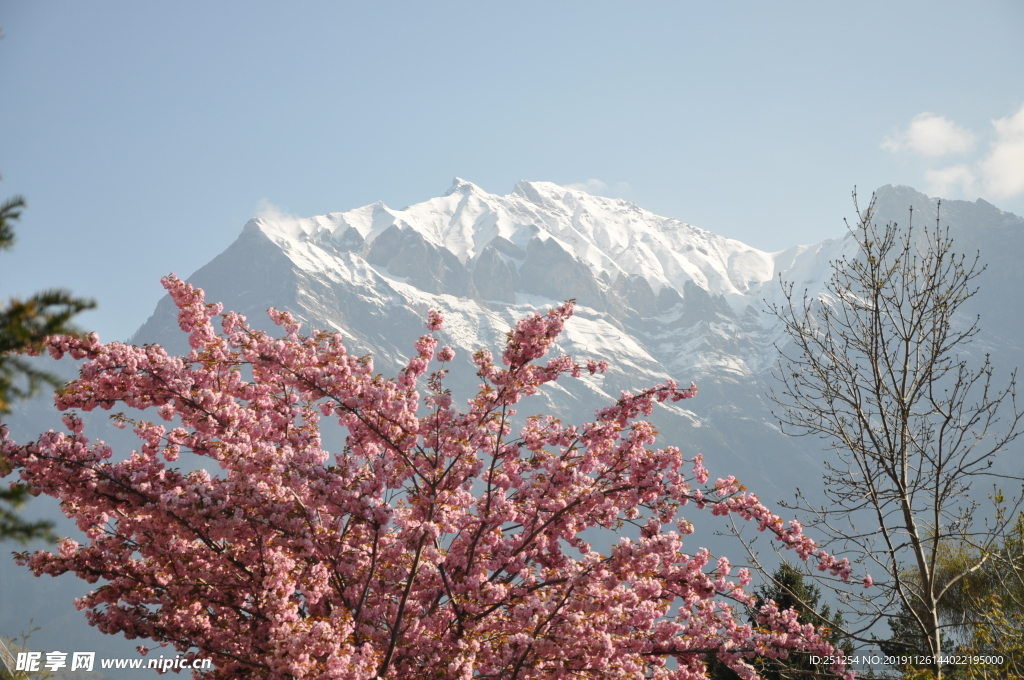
x=435 y=543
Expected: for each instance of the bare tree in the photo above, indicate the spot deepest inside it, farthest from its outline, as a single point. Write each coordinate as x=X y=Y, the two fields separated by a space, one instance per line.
x=875 y=365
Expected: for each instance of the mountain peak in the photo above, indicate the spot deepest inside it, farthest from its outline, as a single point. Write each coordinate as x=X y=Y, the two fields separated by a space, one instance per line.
x=460 y=185
x=611 y=239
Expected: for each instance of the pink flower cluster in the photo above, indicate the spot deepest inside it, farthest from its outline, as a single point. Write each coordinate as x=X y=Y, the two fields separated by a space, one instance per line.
x=436 y=544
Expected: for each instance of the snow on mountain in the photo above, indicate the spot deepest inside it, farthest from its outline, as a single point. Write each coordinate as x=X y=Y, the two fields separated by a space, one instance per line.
x=612 y=237
x=656 y=296
x=544 y=243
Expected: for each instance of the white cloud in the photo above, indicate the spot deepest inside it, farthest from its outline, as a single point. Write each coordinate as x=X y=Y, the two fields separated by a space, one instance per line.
x=1002 y=169
x=931 y=135
x=955 y=180
x=270 y=212
x=591 y=186
x=998 y=175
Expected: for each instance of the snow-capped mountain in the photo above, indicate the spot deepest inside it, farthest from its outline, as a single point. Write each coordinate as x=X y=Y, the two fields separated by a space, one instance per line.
x=657 y=297
x=643 y=282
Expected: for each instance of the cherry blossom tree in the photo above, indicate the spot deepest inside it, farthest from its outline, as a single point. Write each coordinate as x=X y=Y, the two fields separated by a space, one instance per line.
x=437 y=544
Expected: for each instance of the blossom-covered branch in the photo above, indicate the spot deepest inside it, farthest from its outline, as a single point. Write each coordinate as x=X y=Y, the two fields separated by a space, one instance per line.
x=437 y=544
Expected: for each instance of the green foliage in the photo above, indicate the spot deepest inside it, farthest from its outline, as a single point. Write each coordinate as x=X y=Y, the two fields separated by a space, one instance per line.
x=13 y=527
x=982 y=613
x=9 y=648
x=788 y=589
x=24 y=324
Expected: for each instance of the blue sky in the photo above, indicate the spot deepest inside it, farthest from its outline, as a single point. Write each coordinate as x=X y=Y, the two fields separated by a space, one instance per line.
x=144 y=135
